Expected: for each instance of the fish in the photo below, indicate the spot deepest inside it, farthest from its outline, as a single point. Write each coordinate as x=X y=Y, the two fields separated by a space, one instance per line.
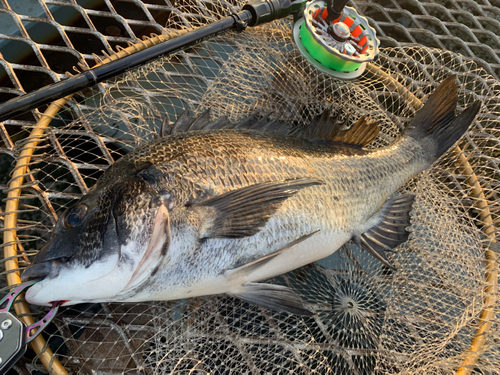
x=215 y=207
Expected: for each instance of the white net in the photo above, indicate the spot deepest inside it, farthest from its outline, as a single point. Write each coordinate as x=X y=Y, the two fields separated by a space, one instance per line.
x=420 y=318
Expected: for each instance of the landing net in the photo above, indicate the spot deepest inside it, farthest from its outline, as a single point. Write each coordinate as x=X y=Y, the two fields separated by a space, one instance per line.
x=421 y=318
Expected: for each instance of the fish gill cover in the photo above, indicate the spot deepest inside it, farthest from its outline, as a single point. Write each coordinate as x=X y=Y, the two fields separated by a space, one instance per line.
x=419 y=318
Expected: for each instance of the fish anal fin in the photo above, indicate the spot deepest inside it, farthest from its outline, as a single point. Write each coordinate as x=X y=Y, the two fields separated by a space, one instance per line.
x=389 y=230
x=243 y=212
x=274 y=297
x=362 y=133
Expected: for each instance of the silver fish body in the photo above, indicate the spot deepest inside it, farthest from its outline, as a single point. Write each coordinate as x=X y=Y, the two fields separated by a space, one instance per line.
x=216 y=211
x=353 y=189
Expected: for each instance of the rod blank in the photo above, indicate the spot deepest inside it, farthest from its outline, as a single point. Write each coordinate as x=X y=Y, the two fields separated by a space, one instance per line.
x=88 y=78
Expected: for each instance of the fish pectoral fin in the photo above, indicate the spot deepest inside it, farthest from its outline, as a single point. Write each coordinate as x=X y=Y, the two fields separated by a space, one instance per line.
x=247 y=268
x=275 y=297
x=243 y=212
x=390 y=228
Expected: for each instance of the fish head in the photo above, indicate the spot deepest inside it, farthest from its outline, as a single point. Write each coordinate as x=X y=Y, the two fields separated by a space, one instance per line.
x=104 y=246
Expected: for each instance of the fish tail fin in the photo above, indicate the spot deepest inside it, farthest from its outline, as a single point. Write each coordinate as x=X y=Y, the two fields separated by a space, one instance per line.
x=435 y=126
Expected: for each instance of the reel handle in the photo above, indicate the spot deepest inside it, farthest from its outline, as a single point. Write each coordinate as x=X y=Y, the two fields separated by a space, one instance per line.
x=264 y=11
x=335 y=8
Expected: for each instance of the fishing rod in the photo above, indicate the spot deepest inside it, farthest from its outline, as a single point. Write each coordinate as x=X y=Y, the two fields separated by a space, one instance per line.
x=253 y=13
x=333 y=37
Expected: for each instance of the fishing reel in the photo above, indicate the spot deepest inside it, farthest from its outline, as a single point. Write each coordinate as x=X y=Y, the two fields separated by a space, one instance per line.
x=335 y=39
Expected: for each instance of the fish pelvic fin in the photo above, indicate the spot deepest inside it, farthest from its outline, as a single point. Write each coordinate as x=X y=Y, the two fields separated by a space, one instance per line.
x=435 y=126
x=243 y=212
x=248 y=267
x=274 y=297
x=389 y=228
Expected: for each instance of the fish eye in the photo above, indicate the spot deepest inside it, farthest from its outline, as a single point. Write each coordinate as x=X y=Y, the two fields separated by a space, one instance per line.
x=74 y=216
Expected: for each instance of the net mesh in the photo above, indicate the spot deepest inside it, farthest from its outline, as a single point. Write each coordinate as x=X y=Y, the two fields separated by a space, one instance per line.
x=420 y=318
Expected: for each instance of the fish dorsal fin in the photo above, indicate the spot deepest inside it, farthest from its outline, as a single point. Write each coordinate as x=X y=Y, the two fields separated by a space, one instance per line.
x=185 y=123
x=362 y=133
x=242 y=212
x=322 y=127
x=200 y=122
x=182 y=122
x=388 y=229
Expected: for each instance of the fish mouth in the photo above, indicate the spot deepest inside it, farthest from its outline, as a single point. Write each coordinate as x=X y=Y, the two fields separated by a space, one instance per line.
x=42 y=270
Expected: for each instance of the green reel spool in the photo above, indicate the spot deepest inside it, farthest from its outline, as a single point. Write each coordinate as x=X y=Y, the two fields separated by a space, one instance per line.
x=341 y=48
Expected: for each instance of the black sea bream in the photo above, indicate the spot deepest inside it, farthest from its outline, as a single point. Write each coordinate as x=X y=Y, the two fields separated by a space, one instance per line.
x=216 y=210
